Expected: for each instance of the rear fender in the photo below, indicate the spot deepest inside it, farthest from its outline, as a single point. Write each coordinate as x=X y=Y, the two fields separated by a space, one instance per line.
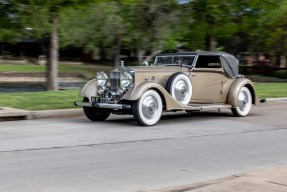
x=235 y=88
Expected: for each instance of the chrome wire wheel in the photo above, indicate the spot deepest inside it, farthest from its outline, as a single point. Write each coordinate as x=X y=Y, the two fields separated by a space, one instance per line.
x=148 y=109
x=180 y=88
x=244 y=103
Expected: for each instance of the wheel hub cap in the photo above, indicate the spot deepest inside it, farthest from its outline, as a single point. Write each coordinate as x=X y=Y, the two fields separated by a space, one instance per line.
x=150 y=107
x=181 y=90
x=242 y=100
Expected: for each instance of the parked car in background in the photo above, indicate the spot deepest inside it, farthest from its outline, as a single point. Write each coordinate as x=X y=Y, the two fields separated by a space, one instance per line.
x=189 y=81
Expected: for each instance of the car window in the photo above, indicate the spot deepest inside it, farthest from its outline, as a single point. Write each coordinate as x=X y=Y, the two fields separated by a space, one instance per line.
x=208 y=62
x=174 y=60
x=163 y=60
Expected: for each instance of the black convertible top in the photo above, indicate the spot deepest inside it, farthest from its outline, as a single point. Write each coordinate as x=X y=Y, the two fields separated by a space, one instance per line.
x=230 y=63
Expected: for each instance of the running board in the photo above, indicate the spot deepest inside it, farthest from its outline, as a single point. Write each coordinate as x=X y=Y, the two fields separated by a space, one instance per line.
x=206 y=107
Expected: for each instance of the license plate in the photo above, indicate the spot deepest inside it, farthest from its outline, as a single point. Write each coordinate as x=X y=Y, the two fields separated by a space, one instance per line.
x=100 y=99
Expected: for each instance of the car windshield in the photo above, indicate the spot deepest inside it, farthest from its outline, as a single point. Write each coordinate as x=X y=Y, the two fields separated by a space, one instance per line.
x=174 y=60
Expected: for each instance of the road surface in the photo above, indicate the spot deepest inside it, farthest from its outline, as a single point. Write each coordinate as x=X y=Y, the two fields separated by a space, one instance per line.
x=74 y=154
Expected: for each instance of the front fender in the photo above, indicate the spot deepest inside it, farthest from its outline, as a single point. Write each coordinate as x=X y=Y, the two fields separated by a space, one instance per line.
x=235 y=88
x=135 y=93
x=90 y=89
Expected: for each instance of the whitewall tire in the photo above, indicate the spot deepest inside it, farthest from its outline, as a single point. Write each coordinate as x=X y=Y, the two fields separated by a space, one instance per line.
x=148 y=109
x=180 y=88
x=244 y=103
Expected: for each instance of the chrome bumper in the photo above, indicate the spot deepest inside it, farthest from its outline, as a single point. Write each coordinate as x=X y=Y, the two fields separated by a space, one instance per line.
x=102 y=105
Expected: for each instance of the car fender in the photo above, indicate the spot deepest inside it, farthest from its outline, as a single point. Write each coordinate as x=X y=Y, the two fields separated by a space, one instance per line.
x=235 y=88
x=90 y=89
x=136 y=92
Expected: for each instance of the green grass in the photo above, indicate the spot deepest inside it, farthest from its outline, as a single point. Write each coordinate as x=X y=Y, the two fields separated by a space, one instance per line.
x=84 y=69
x=41 y=100
x=64 y=99
x=267 y=90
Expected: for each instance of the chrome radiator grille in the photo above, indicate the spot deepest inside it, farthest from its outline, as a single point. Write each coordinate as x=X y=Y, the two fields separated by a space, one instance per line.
x=115 y=80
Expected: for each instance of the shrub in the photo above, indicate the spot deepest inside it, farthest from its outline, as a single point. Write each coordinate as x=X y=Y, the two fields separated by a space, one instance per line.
x=281 y=74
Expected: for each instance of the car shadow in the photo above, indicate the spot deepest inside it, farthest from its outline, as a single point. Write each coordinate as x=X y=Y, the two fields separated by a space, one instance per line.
x=128 y=120
x=195 y=116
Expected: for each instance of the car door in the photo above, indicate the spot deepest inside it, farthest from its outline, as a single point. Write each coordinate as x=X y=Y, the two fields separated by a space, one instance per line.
x=207 y=79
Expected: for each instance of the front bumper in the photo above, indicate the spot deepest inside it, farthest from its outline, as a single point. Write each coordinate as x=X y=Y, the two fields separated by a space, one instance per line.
x=102 y=105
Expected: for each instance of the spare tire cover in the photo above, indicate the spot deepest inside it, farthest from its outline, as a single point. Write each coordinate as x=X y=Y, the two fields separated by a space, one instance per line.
x=180 y=87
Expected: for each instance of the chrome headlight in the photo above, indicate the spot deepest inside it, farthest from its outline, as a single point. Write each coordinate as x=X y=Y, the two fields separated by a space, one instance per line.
x=101 y=78
x=101 y=90
x=126 y=80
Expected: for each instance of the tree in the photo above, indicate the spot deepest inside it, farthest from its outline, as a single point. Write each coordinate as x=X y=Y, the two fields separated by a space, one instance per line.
x=145 y=26
x=155 y=26
x=245 y=17
x=209 y=16
x=273 y=30
x=101 y=25
x=9 y=22
x=43 y=17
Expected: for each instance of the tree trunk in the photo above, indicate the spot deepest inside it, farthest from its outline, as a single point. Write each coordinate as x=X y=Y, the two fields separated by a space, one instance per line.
x=282 y=61
x=52 y=79
x=140 y=55
x=212 y=43
x=117 y=56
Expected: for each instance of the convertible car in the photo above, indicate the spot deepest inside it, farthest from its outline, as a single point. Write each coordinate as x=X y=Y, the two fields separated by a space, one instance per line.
x=189 y=81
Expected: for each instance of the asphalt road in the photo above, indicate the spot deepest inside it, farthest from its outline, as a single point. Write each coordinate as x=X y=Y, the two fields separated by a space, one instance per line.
x=75 y=155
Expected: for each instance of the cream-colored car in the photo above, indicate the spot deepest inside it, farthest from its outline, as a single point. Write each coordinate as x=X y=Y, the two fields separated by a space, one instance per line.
x=190 y=81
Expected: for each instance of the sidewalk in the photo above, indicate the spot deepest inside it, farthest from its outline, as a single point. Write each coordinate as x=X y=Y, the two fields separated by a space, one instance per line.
x=264 y=180
x=7 y=113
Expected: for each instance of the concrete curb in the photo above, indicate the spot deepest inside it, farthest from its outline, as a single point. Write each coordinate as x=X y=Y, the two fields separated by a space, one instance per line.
x=276 y=99
x=8 y=114
x=57 y=113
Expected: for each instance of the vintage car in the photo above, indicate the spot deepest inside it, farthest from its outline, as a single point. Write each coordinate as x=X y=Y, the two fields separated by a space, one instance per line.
x=189 y=81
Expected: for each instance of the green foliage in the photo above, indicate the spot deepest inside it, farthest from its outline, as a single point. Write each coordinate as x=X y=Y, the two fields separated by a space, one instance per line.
x=139 y=25
x=9 y=21
x=144 y=27
x=232 y=24
x=93 y=26
x=281 y=74
x=273 y=28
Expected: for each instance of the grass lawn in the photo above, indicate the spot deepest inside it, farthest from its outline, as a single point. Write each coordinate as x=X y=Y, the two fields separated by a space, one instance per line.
x=65 y=98
x=267 y=90
x=84 y=69
x=41 y=100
